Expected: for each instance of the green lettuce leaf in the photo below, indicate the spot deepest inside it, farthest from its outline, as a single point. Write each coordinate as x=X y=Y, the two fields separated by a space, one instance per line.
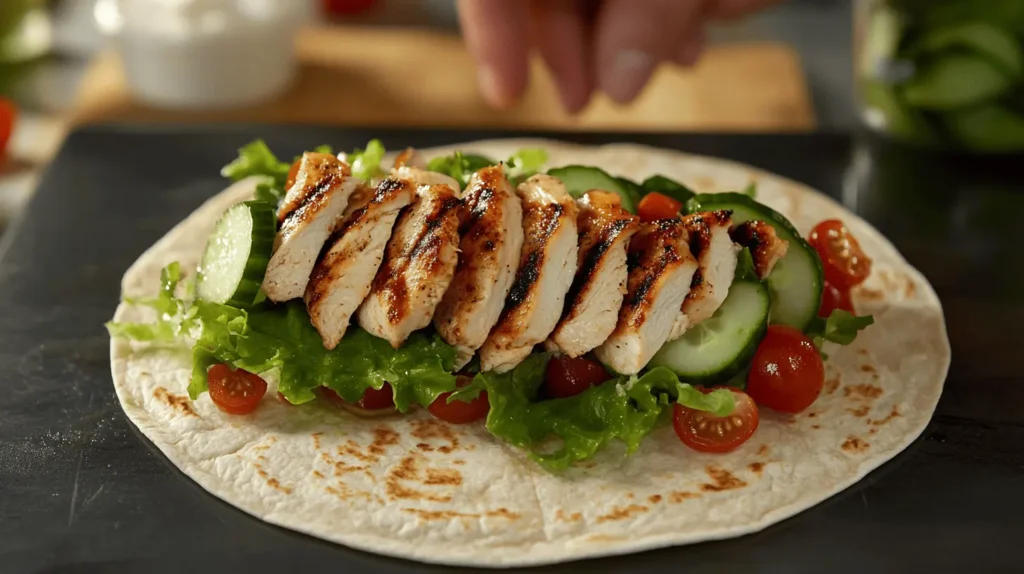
x=460 y=166
x=170 y=312
x=841 y=327
x=366 y=162
x=525 y=163
x=627 y=409
x=255 y=159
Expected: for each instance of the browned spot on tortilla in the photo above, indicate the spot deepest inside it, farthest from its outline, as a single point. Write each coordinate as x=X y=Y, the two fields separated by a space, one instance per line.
x=261 y=457
x=855 y=445
x=867 y=392
x=450 y=514
x=909 y=289
x=812 y=415
x=832 y=383
x=895 y=412
x=872 y=431
x=756 y=467
x=431 y=429
x=273 y=483
x=867 y=369
x=704 y=183
x=383 y=436
x=316 y=440
x=459 y=462
x=630 y=495
x=408 y=470
x=788 y=419
x=860 y=411
x=721 y=479
x=763 y=451
x=449 y=477
x=574 y=517
x=325 y=458
x=869 y=294
x=271 y=439
x=351 y=448
x=681 y=496
x=863 y=352
x=177 y=402
x=424 y=447
x=602 y=538
x=341 y=468
x=262 y=473
x=815 y=427
x=654 y=499
x=622 y=513
x=318 y=474
x=503 y=513
x=343 y=492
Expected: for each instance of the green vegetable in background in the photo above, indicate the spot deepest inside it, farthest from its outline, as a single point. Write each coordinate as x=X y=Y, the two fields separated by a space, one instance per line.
x=366 y=162
x=956 y=82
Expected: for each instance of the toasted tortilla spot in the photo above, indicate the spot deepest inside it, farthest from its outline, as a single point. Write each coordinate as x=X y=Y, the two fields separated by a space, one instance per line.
x=630 y=495
x=763 y=450
x=273 y=483
x=721 y=479
x=424 y=447
x=602 y=538
x=407 y=470
x=815 y=427
x=503 y=513
x=863 y=352
x=341 y=468
x=316 y=440
x=872 y=431
x=622 y=513
x=431 y=429
x=261 y=472
x=318 y=474
x=812 y=415
x=855 y=445
x=867 y=369
x=865 y=392
x=868 y=294
x=682 y=496
x=756 y=467
x=383 y=436
x=351 y=448
x=438 y=514
x=704 y=183
x=177 y=402
x=859 y=411
x=832 y=383
x=458 y=462
x=654 y=499
x=448 y=477
x=562 y=516
x=892 y=414
x=910 y=289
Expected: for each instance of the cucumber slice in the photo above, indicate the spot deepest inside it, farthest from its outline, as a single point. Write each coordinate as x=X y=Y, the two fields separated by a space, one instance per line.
x=237 y=254
x=796 y=281
x=579 y=179
x=666 y=186
x=717 y=349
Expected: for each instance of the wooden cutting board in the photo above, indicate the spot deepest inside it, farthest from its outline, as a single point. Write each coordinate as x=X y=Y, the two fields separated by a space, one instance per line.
x=401 y=77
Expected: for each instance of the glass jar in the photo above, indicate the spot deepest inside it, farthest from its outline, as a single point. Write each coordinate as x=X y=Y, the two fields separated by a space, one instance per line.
x=943 y=73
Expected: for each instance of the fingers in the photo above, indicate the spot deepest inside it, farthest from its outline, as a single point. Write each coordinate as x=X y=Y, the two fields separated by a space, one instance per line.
x=633 y=36
x=496 y=35
x=561 y=33
x=729 y=9
x=692 y=47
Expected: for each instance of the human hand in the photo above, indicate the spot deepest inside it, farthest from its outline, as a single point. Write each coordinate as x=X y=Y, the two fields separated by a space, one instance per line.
x=611 y=45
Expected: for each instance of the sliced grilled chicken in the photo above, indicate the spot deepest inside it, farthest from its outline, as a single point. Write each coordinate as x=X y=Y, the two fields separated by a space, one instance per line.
x=409 y=157
x=424 y=177
x=716 y=258
x=343 y=275
x=765 y=246
x=492 y=240
x=419 y=263
x=547 y=266
x=309 y=213
x=661 y=269
x=593 y=302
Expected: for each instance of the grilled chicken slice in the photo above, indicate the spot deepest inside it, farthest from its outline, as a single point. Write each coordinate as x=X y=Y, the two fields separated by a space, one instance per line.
x=593 y=302
x=309 y=213
x=547 y=266
x=419 y=263
x=716 y=259
x=492 y=240
x=409 y=157
x=343 y=275
x=765 y=246
x=661 y=269
x=424 y=177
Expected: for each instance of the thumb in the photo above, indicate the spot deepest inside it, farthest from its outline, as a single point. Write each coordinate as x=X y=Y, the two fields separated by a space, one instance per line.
x=496 y=35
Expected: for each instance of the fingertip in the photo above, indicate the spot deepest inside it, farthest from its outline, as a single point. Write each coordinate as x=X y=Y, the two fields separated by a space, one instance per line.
x=627 y=74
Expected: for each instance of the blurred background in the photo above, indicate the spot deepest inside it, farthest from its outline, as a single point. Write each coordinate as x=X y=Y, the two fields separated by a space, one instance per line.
x=940 y=73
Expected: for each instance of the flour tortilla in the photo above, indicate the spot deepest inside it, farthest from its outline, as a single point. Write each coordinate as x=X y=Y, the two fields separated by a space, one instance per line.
x=413 y=487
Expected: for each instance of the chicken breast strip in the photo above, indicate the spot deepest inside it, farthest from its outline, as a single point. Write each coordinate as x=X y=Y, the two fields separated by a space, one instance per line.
x=716 y=259
x=492 y=240
x=661 y=269
x=547 y=266
x=424 y=177
x=595 y=297
x=343 y=275
x=766 y=248
x=418 y=267
x=311 y=210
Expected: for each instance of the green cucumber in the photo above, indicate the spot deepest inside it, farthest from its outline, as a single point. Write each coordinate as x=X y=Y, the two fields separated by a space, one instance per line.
x=237 y=254
x=796 y=281
x=665 y=186
x=579 y=179
x=717 y=349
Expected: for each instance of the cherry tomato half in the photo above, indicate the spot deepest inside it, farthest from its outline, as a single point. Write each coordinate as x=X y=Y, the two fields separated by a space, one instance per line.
x=567 y=377
x=833 y=298
x=8 y=113
x=844 y=262
x=235 y=392
x=787 y=373
x=293 y=173
x=460 y=412
x=704 y=432
x=655 y=206
x=372 y=400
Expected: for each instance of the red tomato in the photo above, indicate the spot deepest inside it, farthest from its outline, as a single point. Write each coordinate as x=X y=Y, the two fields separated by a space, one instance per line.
x=655 y=206
x=787 y=373
x=235 y=392
x=372 y=400
x=347 y=6
x=460 y=412
x=844 y=262
x=833 y=298
x=8 y=113
x=704 y=432
x=567 y=377
x=293 y=173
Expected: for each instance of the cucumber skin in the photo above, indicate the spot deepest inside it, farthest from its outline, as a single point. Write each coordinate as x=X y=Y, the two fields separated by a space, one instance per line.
x=711 y=201
x=570 y=175
x=264 y=227
x=665 y=186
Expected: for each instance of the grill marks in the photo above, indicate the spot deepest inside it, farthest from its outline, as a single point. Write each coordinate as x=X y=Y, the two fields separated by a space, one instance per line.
x=766 y=249
x=716 y=257
x=543 y=222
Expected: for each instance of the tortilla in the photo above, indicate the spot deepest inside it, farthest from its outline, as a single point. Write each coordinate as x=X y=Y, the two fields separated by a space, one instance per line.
x=413 y=487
